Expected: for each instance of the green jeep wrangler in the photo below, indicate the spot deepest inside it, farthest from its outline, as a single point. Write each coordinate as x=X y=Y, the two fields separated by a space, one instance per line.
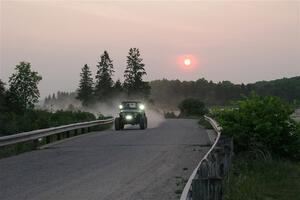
x=131 y=112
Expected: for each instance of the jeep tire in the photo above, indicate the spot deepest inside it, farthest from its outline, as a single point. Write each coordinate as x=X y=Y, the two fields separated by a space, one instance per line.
x=143 y=122
x=117 y=124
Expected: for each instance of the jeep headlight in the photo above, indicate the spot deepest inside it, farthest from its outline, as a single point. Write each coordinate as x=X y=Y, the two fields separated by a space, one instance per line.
x=142 y=107
x=128 y=117
x=121 y=106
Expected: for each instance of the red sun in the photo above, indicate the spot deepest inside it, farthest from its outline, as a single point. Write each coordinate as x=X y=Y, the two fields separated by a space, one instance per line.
x=187 y=62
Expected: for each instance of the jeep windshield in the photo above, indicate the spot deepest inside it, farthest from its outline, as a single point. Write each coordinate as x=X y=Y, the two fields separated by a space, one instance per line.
x=130 y=105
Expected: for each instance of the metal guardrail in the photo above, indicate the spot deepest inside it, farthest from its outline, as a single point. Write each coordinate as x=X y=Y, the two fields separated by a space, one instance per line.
x=205 y=183
x=37 y=134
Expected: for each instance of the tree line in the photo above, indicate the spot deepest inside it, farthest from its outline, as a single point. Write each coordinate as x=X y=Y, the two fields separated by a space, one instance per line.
x=103 y=88
x=61 y=100
x=169 y=93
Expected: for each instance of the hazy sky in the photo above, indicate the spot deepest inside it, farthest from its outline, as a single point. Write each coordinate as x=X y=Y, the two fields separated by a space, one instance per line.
x=236 y=41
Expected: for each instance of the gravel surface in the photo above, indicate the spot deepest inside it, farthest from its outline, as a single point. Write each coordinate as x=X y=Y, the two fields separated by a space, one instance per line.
x=131 y=164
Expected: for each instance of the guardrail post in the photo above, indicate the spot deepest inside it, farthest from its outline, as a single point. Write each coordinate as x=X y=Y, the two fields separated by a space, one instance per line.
x=58 y=136
x=228 y=148
x=215 y=181
x=200 y=183
x=68 y=134
x=48 y=139
x=226 y=144
x=35 y=143
x=220 y=156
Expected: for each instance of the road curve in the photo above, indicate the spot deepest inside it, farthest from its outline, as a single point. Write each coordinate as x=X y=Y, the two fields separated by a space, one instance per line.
x=109 y=165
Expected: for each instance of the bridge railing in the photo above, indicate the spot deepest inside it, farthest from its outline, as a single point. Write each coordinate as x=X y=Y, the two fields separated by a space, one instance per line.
x=45 y=136
x=205 y=183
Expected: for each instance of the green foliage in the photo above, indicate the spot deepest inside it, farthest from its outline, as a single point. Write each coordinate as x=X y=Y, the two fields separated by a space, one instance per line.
x=2 y=88
x=135 y=70
x=16 y=104
x=60 y=100
x=169 y=93
x=68 y=117
x=118 y=88
x=39 y=119
x=104 y=82
x=286 y=88
x=16 y=149
x=2 y=96
x=85 y=90
x=170 y=115
x=261 y=123
x=101 y=116
x=262 y=180
x=192 y=107
x=23 y=91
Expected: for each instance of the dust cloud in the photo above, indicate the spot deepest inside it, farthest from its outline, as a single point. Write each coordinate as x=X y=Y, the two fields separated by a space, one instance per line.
x=155 y=116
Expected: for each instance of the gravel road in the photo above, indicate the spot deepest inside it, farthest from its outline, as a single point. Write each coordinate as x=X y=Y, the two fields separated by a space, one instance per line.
x=132 y=164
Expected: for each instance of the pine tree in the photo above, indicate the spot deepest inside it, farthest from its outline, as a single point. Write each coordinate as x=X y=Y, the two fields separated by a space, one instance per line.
x=134 y=84
x=85 y=90
x=46 y=100
x=118 y=86
x=104 y=82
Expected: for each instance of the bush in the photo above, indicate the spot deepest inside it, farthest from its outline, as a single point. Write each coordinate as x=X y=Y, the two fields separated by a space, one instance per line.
x=102 y=117
x=170 y=115
x=262 y=123
x=40 y=119
x=192 y=107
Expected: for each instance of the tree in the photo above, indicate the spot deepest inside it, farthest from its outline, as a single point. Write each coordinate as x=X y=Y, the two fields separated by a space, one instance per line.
x=23 y=87
x=192 y=107
x=135 y=70
x=2 y=95
x=47 y=99
x=3 y=105
x=2 y=88
x=3 y=108
x=118 y=86
x=85 y=90
x=104 y=82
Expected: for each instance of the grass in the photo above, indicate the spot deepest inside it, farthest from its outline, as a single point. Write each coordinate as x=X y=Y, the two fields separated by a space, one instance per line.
x=263 y=180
